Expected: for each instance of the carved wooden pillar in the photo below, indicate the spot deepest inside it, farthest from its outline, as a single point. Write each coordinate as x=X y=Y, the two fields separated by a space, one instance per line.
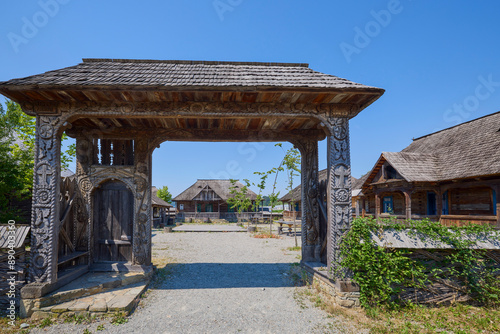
x=45 y=209
x=142 y=210
x=377 y=205
x=363 y=210
x=311 y=243
x=407 y=203
x=339 y=188
x=357 y=207
x=85 y=153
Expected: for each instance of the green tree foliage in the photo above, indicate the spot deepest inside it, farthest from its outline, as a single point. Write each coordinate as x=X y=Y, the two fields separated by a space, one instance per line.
x=239 y=200
x=17 y=144
x=164 y=194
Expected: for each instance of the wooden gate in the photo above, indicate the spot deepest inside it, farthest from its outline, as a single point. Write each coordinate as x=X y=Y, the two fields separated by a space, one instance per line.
x=113 y=222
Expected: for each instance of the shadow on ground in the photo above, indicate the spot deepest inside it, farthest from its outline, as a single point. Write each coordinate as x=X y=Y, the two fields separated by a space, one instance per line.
x=231 y=275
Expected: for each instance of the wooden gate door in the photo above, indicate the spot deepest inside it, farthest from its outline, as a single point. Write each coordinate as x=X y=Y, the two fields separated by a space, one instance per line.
x=113 y=223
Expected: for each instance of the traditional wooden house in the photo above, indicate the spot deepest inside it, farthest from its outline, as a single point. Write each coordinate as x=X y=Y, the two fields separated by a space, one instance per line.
x=207 y=199
x=163 y=212
x=451 y=176
x=295 y=195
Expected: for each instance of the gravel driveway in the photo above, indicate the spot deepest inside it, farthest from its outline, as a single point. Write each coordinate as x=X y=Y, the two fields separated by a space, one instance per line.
x=222 y=283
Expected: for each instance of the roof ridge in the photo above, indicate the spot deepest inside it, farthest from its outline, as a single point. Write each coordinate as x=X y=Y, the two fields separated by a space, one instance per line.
x=193 y=62
x=454 y=126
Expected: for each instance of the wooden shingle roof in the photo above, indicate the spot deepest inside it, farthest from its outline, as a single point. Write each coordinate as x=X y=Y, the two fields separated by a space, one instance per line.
x=467 y=150
x=220 y=187
x=296 y=193
x=173 y=73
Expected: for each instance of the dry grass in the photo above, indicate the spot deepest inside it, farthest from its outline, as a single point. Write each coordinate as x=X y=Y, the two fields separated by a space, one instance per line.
x=417 y=319
x=263 y=235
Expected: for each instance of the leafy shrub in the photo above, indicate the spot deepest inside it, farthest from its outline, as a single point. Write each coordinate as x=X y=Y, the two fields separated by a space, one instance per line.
x=383 y=274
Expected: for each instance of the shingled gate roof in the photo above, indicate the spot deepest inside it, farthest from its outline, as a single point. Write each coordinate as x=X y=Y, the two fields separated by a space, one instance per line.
x=467 y=150
x=175 y=73
x=220 y=187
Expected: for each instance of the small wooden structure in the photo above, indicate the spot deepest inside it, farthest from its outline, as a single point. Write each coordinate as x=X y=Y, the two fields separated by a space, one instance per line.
x=207 y=199
x=120 y=110
x=295 y=195
x=163 y=212
x=451 y=176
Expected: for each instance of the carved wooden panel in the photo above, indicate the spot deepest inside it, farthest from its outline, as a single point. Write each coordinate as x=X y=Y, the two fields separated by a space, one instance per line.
x=339 y=189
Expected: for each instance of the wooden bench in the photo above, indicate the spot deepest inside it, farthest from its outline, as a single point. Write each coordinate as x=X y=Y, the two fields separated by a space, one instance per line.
x=290 y=223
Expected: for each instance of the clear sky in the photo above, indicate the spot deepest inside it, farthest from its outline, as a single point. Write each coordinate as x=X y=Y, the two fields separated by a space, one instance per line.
x=437 y=60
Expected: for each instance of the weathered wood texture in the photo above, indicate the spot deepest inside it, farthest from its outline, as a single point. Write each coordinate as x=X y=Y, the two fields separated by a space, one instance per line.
x=448 y=288
x=113 y=222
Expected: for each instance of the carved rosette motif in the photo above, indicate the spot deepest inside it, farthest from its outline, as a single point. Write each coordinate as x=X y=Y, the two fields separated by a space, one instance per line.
x=45 y=210
x=339 y=190
x=310 y=192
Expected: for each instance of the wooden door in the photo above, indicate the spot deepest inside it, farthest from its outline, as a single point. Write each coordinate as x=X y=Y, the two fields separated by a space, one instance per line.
x=113 y=222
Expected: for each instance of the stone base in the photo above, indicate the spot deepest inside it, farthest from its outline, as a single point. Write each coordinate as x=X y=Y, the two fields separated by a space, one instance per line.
x=311 y=253
x=345 y=293
x=89 y=292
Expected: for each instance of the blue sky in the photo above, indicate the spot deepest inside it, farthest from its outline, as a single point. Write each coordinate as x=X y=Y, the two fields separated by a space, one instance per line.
x=437 y=60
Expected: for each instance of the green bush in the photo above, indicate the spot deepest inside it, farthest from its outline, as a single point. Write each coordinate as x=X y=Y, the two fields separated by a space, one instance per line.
x=383 y=273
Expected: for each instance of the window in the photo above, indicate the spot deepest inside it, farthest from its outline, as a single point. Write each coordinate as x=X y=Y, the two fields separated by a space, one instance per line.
x=198 y=207
x=390 y=173
x=156 y=212
x=209 y=208
x=181 y=206
x=388 y=204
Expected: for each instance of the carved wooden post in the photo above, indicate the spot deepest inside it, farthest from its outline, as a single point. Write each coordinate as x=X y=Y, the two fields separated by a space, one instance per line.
x=407 y=203
x=45 y=209
x=142 y=211
x=86 y=155
x=377 y=205
x=339 y=189
x=311 y=243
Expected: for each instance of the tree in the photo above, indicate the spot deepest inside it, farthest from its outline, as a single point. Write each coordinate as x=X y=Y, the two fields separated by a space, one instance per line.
x=292 y=161
x=164 y=194
x=17 y=144
x=240 y=200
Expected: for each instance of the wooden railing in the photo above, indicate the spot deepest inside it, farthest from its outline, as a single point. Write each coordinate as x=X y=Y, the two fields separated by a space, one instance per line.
x=460 y=220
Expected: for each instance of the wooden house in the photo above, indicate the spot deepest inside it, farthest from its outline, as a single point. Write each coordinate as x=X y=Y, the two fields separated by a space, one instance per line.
x=295 y=195
x=163 y=212
x=207 y=199
x=451 y=176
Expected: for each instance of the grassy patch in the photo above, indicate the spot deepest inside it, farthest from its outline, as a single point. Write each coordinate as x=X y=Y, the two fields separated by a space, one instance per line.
x=457 y=318
x=295 y=248
x=119 y=319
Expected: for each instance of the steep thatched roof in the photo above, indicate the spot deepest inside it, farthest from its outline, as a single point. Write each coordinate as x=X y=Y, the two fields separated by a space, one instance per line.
x=220 y=187
x=467 y=150
x=297 y=191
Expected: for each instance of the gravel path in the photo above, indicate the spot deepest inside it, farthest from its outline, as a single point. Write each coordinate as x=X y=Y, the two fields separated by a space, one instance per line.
x=222 y=283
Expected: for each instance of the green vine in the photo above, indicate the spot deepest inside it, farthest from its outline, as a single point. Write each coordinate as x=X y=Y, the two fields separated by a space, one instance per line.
x=384 y=274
